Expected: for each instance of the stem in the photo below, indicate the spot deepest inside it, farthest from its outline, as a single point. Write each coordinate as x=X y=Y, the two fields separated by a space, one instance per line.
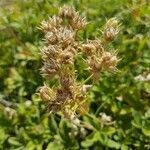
x=88 y=79
x=7 y=104
x=99 y=108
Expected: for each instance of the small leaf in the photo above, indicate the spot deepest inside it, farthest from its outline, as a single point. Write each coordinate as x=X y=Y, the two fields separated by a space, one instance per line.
x=3 y=135
x=52 y=124
x=90 y=140
x=109 y=130
x=147 y=87
x=93 y=121
x=30 y=145
x=14 y=141
x=54 y=146
x=124 y=147
x=112 y=144
x=146 y=131
x=137 y=122
x=146 y=128
x=64 y=130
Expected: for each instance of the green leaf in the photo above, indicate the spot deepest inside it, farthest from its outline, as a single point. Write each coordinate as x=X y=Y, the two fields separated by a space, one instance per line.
x=3 y=135
x=147 y=87
x=137 y=122
x=90 y=140
x=124 y=147
x=93 y=121
x=108 y=130
x=52 y=124
x=146 y=131
x=112 y=144
x=64 y=130
x=14 y=141
x=30 y=145
x=146 y=128
x=54 y=146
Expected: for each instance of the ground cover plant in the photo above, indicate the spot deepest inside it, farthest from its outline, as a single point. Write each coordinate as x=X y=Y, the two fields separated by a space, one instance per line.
x=119 y=110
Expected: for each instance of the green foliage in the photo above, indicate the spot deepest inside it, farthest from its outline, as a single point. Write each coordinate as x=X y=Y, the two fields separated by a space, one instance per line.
x=27 y=125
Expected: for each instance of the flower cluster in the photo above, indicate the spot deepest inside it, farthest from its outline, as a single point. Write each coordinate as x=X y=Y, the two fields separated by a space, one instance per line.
x=59 y=55
x=98 y=59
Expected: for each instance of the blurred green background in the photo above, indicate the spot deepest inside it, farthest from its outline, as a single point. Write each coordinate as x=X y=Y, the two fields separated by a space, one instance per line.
x=125 y=96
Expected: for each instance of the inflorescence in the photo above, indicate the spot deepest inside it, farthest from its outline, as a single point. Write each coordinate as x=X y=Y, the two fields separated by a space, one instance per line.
x=60 y=52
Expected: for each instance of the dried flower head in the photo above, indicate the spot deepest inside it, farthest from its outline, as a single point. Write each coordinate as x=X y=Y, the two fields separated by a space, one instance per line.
x=53 y=22
x=75 y=20
x=47 y=94
x=111 y=29
x=109 y=61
